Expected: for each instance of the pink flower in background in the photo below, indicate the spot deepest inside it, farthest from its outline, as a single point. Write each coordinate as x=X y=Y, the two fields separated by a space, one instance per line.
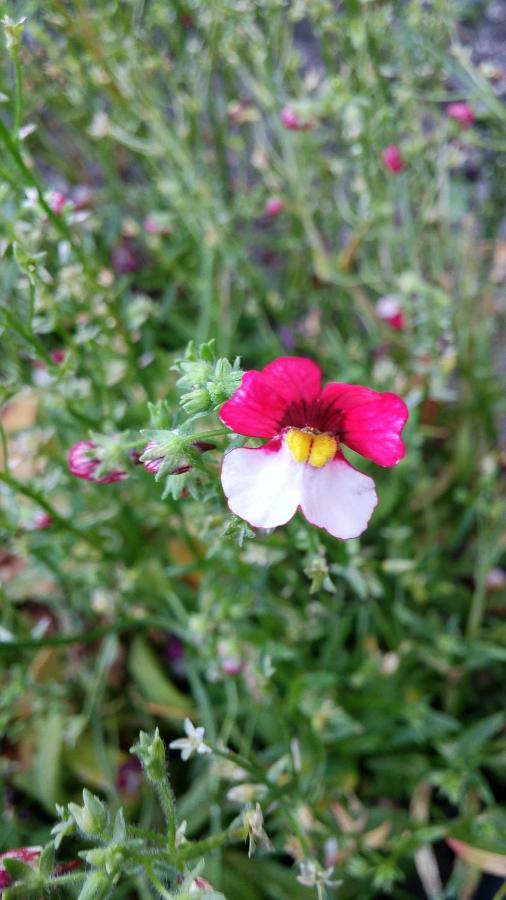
x=292 y=122
x=129 y=776
x=58 y=202
x=23 y=854
x=41 y=521
x=461 y=112
x=392 y=159
x=58 y=356
x=389 y=310
x=83 y=462
x=126 y=257
x=302 y=465
x=273 y=206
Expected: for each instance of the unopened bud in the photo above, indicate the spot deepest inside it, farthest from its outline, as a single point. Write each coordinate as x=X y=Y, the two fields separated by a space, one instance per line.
x=151 y=753
x=91 y=818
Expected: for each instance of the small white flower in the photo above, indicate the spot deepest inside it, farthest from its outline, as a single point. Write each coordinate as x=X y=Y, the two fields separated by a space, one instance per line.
x=313 y=875
x=192 y=743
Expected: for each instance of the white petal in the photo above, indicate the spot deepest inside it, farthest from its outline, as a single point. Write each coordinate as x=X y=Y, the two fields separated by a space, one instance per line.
x=262 y=485
x=338 y=498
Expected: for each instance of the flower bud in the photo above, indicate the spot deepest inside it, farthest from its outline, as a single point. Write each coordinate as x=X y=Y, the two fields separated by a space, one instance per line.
x=392 y=159
x=291 y=120
x=96 y=887
x=151 y=752
x=462 y=113
x=91 y=818
x=389 y=309
x=13 y=32
x=273 y=206
x=84 y=463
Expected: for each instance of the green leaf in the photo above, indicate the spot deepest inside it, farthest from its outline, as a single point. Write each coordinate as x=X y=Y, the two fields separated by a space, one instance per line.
x=151 y=680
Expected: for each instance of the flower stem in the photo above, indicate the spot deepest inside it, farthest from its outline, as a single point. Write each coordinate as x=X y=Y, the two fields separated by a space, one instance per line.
x=169 y=812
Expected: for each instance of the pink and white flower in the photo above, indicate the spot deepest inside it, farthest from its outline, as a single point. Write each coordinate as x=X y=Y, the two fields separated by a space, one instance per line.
x=389 y=310
x=302 y=465
x=28 y=855
x=84 y=463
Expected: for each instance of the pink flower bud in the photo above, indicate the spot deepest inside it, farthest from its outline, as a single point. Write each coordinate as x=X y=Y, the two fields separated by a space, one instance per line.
x=462 y=113
x=58 y=356
x=495 y=579
x=58 y=202
x=231 y=666
x=83 y=463
x=292 y=122
x=126 y=258
x=273 y=206
x=389 y=310
x=392 y=159
x=41 y=521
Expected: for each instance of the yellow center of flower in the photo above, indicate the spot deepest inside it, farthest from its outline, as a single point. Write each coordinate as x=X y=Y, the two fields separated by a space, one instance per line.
x=315 y=449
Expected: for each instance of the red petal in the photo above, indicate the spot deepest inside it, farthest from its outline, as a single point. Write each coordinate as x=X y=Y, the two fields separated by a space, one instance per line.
x=371 y=423
x=259 y=405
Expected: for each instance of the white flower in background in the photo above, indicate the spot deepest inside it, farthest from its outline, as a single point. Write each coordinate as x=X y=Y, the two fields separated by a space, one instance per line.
x=192 y=743
x=313 y=875
x=245 y=793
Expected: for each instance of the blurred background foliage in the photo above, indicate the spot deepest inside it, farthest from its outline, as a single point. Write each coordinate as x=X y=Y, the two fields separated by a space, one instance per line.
x=141 y=142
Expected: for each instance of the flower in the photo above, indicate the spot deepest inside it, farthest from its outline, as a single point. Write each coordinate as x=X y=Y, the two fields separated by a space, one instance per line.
x=83 y=462
x=26 y=855
x=126 y=257
x=313 y=875
x=461 y=112
x=292 y=122
x=41 y=521
x=273 y=206
x=192 y=743
x=302 y=464
x=392 y=159
x=389 y=309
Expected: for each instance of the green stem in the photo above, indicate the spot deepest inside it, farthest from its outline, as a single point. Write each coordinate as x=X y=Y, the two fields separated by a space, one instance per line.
x=169 y=812
x=18 y=99
x=60 y=520
x=199 y=848
x=5 y=448
x=93 y=634
x=157 y=883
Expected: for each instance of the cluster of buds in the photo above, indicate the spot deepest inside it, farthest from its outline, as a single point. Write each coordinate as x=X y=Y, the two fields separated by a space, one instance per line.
x=207 y=381
x=170 y=453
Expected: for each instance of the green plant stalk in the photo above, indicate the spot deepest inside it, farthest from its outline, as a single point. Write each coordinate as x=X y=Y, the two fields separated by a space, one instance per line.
x=60 y=520
x=18 y=97
x=169 y=811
